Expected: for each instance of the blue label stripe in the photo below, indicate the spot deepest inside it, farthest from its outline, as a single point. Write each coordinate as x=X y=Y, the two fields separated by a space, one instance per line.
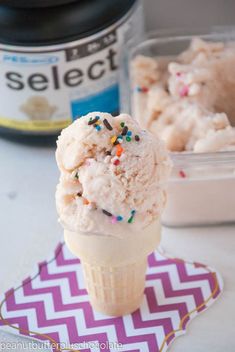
x=105 y=101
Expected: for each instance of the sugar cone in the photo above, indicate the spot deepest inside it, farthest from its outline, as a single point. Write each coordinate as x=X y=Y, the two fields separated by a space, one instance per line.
x=114 y=268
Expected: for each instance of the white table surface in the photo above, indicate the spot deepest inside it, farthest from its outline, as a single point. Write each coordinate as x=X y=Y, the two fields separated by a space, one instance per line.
x=29 y=232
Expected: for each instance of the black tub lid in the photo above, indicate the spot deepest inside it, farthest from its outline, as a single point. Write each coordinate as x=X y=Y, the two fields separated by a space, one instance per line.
x=36 y=3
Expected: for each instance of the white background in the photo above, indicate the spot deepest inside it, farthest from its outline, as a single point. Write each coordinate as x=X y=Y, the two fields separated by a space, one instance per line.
x=180 y=13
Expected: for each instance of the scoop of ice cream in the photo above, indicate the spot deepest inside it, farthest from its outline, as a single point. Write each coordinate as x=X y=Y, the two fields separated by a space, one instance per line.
x=113 y=175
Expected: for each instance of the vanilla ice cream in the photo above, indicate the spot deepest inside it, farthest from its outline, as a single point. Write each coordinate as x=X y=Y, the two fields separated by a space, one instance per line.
x=188 y=100
x=113 y=175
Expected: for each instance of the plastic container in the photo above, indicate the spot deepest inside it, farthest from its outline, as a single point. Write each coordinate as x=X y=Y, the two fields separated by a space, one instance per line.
x=202 y=186
x=59 y=60
x=201 y=190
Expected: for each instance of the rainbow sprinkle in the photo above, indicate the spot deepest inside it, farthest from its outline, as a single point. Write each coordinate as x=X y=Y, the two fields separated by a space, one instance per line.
x=137 y=138
x=124 y=131
x=114 y=220
x=116 y=162
x=116 y=142
x=182 y=174
x=106 y=212
x=113 y=139
x=85 y=201
x=119 y=138
x=92 y=121
x=97 y=127
x=184 y=91
x=119 y=150
x=107 y=125
x=131 y=218
x=142 y=89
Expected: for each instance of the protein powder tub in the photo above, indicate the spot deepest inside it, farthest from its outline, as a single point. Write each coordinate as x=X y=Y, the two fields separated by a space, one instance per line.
x=59 y=60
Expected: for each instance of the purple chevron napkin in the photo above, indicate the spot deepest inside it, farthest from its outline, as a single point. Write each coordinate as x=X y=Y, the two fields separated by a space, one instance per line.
x=52 y=306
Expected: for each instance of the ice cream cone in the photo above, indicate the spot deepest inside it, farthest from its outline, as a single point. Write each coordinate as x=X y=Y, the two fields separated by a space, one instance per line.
x=110 y=198
x=114 y=268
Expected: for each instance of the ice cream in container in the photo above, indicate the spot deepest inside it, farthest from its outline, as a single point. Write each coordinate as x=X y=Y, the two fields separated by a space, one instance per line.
x=180 y=86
